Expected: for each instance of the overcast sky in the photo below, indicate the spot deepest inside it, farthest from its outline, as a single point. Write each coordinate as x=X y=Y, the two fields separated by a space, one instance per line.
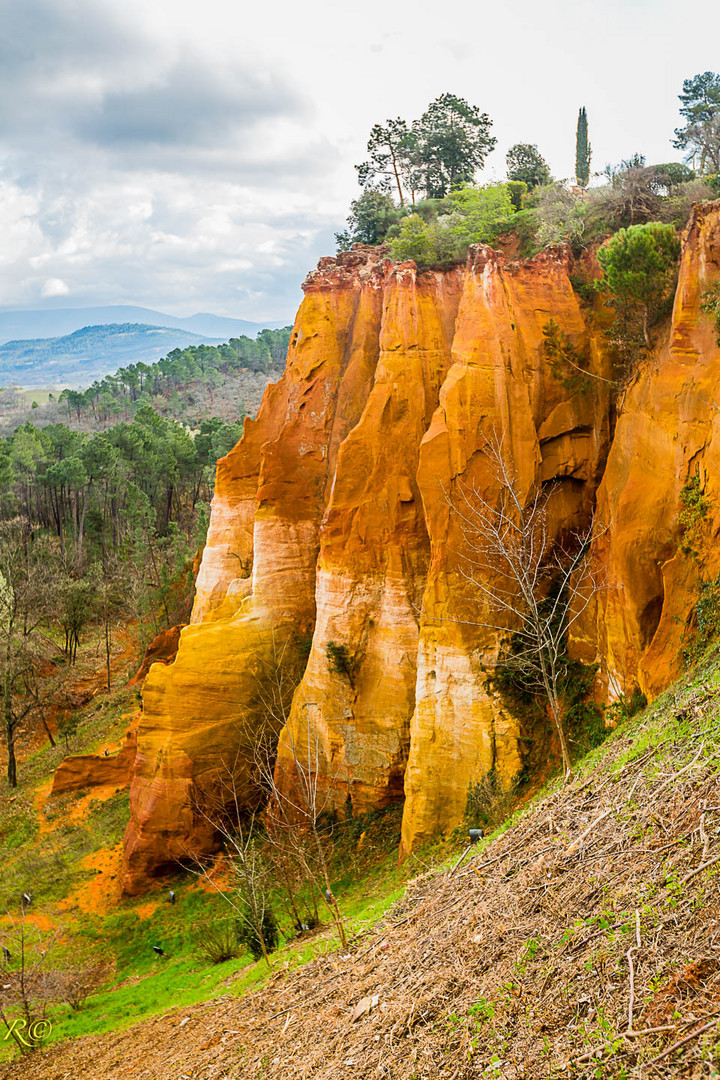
x=198 y=156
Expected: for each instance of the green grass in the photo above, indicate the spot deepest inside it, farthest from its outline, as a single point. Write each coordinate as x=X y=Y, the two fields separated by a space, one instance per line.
x=145 y=984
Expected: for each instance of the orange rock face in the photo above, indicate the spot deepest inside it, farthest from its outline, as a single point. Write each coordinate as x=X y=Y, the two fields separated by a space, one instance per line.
x=257 y=576
x=162 y=649
x=331 y=522
x=81 y=772
x=668 y=431
x=499 y=387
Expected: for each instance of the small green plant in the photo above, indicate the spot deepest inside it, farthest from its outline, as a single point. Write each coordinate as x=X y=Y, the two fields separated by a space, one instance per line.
x=481 y=1010
x=248 y=936
x=710 y=304
x=707 y=618
x=692 y=517
x=567 y=363
x=339 y=659
x=624 y=708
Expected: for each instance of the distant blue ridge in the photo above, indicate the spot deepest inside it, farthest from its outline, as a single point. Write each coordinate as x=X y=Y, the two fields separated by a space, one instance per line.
x=89 y=353
x=56 y=322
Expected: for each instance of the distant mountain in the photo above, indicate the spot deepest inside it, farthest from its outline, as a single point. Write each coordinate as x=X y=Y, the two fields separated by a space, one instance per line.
x=90 y=353
x=56 y=322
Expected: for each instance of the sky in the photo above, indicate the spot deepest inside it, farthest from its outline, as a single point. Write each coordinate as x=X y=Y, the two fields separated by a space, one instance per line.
x=195 y=156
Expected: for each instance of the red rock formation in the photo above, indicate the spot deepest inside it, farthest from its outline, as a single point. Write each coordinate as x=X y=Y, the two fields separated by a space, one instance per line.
x=162 y=649
x=80 y=772
x=373 y=555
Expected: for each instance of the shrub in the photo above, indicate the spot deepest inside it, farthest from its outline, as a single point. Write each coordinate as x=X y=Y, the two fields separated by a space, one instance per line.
x=249 y=938
x=707 y=612
x=477 y=215
x=711 y=306
x=691 y=518
x=414 y=241
x=565 y=360
x=216 y=942
x=339 y=659
x=561 y=217
x=625 y=708
x=75 y=984
x=517 y=190
x=489 y=802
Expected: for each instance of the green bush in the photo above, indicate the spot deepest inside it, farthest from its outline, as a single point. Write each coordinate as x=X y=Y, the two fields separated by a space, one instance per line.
x=249 y=938
x=415 y=240
x=339 y=659
x=477 y=215
x=439 y=232
x=707 y=612
x=692 y=517
x=371 y=215
x=625 y=708
x=566 y=362
x=711 y=306
x=517 y=190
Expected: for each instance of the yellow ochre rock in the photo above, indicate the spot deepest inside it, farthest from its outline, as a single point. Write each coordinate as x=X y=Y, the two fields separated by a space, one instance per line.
x=331 y=527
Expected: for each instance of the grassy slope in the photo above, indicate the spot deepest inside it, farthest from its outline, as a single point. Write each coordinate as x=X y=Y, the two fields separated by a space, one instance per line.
x=66 y=851
x=517 y=965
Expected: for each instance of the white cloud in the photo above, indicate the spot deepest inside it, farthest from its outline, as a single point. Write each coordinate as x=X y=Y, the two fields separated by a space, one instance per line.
x=54 y=287
x=201 y=156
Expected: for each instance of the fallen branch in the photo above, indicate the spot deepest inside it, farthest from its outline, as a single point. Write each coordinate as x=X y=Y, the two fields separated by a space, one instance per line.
x=589 y=829
x=698 y=870
x=681 y=1042
x=631 y=1004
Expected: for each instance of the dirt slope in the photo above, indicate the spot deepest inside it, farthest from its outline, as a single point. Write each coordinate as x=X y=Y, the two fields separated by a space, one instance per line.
x=581 y=942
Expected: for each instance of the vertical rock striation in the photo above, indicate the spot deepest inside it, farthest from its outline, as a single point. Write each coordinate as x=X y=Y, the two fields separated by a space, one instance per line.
x=668 y=431
x=373 y=557
x=258 y=570
x=500 y=387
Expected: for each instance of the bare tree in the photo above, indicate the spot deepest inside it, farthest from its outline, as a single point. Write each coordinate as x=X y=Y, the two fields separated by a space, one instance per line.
x=27 y=983
x=26 y=591
x=298 y=808
x=533 y=586
x=296 y=824
x=248 y=892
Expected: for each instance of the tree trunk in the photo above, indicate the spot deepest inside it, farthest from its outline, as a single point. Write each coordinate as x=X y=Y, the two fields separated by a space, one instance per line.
x=81 y=528
x=9 y=731
x=107 y=648
x=557 y=717
x=332 y=903
x=48 y=732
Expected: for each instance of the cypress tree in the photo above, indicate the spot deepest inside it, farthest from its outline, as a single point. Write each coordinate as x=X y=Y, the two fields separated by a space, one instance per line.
x=583 y=151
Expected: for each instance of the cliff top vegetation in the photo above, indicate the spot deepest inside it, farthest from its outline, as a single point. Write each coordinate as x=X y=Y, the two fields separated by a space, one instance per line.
x=421 y=196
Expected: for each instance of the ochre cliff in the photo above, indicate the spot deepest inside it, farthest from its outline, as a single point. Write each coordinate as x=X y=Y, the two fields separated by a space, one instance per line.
x=668 y=431
x=258 y=569
x=331 y=523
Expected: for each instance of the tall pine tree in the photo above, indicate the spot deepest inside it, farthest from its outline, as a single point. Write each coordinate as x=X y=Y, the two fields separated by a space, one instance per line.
x=583 y=151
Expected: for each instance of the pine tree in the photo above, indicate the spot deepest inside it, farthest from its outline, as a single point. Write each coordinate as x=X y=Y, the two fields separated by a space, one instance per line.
x=583 y=151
